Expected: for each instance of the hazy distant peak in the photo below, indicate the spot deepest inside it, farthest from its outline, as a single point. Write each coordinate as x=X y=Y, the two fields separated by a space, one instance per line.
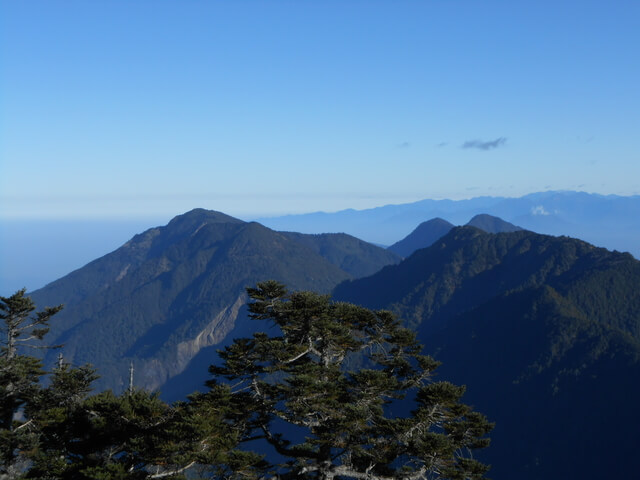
x=435 y=221
x=463 y=233
x=423 y=236
x=491 y=224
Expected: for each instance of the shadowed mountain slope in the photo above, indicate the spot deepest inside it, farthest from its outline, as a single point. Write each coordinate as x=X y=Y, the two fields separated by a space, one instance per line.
x=468 y=267
x=560 y=386
x=172 y=291
x=354 y=256
x=545 y=331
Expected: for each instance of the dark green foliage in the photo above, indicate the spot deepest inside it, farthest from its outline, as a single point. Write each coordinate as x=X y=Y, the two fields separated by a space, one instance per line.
x=330 y=421
x=19 y=375
x=18 y=386
x=134 y=435
x=21 y=324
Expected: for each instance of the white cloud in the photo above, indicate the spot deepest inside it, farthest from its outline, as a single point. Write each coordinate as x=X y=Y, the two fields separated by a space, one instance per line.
x=539 y=210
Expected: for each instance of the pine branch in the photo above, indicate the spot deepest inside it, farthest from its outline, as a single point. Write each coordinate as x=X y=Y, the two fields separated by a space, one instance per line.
x=173 y=472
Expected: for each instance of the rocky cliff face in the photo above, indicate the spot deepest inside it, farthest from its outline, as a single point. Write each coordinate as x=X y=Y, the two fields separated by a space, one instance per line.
x=154 y=372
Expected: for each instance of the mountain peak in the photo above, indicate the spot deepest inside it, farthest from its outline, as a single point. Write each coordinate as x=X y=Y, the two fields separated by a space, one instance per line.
x=190 y=222
x=491 y=224
x=423 y=236
x=203 y=215
x=175 y=290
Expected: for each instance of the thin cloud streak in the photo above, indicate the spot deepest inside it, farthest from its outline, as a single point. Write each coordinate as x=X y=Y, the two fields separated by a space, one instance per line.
x=485 y=145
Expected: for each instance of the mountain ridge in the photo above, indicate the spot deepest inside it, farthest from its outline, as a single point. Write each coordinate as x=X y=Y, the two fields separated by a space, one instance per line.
x=171 y=291
x=530 y=259
x=32 y=259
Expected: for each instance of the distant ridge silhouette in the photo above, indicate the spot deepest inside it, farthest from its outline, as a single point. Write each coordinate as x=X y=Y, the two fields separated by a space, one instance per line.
x=610 y=221
x=423 y=236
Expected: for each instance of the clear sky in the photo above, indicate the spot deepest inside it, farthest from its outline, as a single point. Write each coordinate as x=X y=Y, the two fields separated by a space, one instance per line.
x=138 y=108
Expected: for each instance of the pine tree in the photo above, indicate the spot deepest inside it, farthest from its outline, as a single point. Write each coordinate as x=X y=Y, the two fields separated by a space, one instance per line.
x=56 y=430
x=133 y=435
x=21 y=328
x=343 y=392
x=54 y=412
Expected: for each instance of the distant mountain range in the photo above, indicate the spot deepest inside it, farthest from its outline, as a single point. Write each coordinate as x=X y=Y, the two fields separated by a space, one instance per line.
x=36 y=252
x=544 y=331
x=608 y=221
x=172 y=291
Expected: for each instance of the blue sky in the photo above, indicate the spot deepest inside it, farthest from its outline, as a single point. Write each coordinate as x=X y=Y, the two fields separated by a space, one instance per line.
x=151 y=108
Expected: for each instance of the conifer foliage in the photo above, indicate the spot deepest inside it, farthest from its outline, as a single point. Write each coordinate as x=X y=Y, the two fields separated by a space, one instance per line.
x=341 y=391
x=57 y=430
x=19 y=375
